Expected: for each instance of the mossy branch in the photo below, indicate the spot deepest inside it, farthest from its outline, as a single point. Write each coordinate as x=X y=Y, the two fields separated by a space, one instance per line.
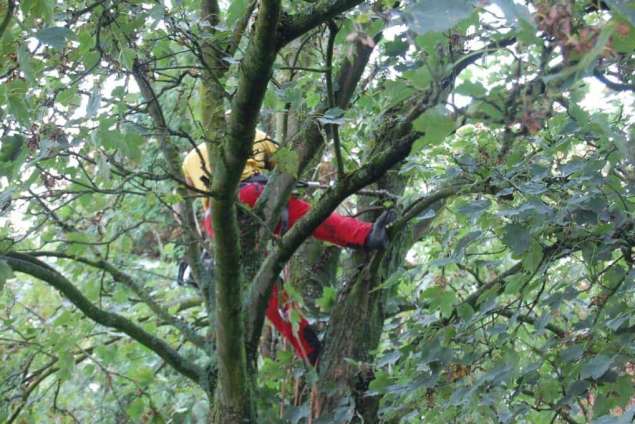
x=35 y=268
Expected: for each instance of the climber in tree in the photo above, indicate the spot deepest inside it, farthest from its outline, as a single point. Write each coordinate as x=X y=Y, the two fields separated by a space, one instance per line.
x=337 y=229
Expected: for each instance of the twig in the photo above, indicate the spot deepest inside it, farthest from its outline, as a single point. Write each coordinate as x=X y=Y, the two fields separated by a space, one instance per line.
x=333 y=128
x=7 y=18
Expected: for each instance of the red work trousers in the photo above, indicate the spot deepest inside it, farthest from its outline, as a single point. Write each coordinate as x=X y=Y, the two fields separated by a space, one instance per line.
x=337 y=229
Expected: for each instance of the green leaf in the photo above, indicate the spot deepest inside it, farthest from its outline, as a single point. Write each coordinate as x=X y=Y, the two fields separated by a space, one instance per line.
x=334 y=116
x=596 y=367
x=93 y=102
x=135 y=409
x=64 y=318
x=532 y=258
x=66 y=364
x=472 y=89
x=397 y=91
x=465 y=311
x=327 y=300
x=441 y=299
x=625 y=7
x=287 y=161
x=13 y=151
x=430 y=40
x=24 y=59
x=5 y=273
x=517 y=238
x=131 y=146
x=423 y=16
x=54 y=37
x=143 y=374
x=514 y=283
x=572 y=353
x=106 y=354
x=515 y=13
x=420 y=77
x=127 y=57
x=16 y=97
x=380 y=383
x=475 y=208
x=236 y=10
x=295 y=318
x=623 y=39
x=435 y=124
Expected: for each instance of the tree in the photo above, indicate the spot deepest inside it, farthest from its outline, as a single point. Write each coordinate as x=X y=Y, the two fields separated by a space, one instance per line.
x=505 y=293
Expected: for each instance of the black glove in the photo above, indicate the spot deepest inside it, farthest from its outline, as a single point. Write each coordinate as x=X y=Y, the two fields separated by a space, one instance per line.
x=184 y=275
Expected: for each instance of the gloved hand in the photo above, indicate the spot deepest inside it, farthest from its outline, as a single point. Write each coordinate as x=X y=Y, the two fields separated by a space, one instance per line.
x=184 y=274
x=378 y=238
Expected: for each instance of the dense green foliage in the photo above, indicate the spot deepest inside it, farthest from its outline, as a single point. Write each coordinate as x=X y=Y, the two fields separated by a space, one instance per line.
x=508 y=291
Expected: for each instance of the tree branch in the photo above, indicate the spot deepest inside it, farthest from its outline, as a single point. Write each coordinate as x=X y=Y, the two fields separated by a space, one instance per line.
x=40 y=270
x=140 y=291
x=332 y=128
x=7 y=18
x=239 y=30
x=615 y=86
x=273 y=264
x=191 y=237
x=229 y=160
x=309 y=140
x=323 y=11
x=532 y=321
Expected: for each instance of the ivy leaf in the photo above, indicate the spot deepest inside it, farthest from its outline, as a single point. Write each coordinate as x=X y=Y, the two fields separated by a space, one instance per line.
x=54 y=37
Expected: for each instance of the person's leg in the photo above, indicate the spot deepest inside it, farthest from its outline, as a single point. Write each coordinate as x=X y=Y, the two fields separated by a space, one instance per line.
x=305 y=343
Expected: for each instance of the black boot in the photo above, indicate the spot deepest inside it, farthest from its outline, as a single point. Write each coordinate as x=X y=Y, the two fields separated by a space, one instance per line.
x=378 y=238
